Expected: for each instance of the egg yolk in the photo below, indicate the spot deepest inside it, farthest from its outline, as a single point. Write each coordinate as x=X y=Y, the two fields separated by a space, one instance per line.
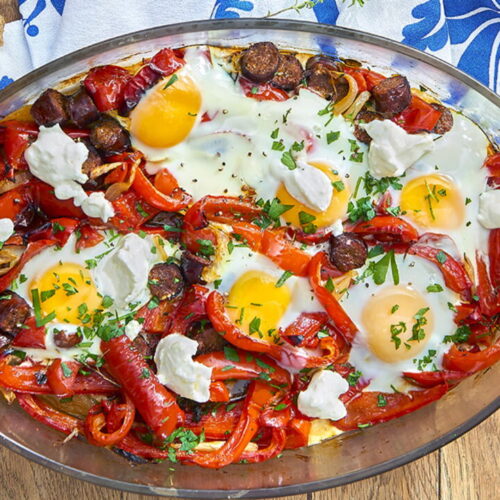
x=167 y=113
x=256 y=304
x=392 y=318
x=336 y=210
x=433 y=201
x=68 y=291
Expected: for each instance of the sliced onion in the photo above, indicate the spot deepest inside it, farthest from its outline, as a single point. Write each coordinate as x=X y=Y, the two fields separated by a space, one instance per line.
x=103 y=169
x=20 y=178
x=348 y=99
x=118 y=188
x=9 y=257
x=357 y=105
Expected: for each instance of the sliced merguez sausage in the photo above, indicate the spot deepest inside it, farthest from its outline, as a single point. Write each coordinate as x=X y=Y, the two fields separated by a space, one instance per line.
x=170 y=221
x=165 y=281
x=145 y=344
x=321 y=76
x=50 y=108
x=392 y=95
x=81 y=108
x=207 y=337
x=14 y=311
x=65 y=340
x=347 y=251
x=364 y=116
x=108 y=136
x=445 y=122
x=260 y=62
x=192 y=267
x=289 y=73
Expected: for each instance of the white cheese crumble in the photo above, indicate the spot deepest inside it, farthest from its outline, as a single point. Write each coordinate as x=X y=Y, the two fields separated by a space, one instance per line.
x=6 y=229
x=489 y=209
x=392 y=150
x=310 y=186
x=123 y=274
x=57 y=160
x=321 y=398
x=132 y=329
x=178 y=371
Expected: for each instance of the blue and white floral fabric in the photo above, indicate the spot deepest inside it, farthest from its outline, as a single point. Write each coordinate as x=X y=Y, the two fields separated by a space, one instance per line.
x=463 y=32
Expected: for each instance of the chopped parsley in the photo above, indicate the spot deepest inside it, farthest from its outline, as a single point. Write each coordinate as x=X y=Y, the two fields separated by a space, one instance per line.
x=283 y=278
x=462 y=334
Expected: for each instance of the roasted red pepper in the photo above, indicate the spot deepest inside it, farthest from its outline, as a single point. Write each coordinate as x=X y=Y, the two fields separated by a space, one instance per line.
x=61 y=377
x=365 y=78
x=106 y=85
x=431 y=379
x=88 y=237
x=275 y=447
x=131 y=211
x=297 y=433
x=17 y=202
x=370 y=408
x=262 y=91
x=418 y=116
x=387 y=228
x=219 y=393
x=152 y=400
x=471 y=361
x=339 y=317
x=117 y=417
x=192 y=308
x=30 y=336
x=59 y=230
x=489 y=296
x=16 y=137
x=494 y=256
x=174 y=202
x=52 y=206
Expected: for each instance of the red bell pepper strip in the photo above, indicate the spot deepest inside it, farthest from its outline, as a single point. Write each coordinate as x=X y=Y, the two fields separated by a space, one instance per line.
x=285 y=353
x=217 y=424
x=365 y=78
x=305 y=328
x=219 y=393
x=106 y=85
x=52 y=206
x=257 y=398
x=131 y=212
x=364 y=409
x=262 y=91
x=192 y=308
x=492 y=163
x=30 y=336
x=246 y=368
x=274 y=448
x=152 y=400
x=59 y=230
x=418 y=116
x=16 y=202
x=61 y=377
x=164 y=63
x=453 y=271
x=431 y=379
x=31 y=250
x=340 y=318
x=489 y=297
x=165 y=182
x=88 y=237
x=297 y=433
x=123 y=414
x=387 y=228
x=169 y=203
x=132 y=444
x=494 y=256
x=158 y=319
x=45 y=414
x=471 y=361
x=16 y=137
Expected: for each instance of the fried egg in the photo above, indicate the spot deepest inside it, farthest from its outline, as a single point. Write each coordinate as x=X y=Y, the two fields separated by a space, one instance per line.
x=401 y=326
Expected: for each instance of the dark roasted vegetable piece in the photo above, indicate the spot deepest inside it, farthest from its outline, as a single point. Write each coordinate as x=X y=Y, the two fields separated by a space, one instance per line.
x=392 y=95
x=207 y=337
x=192 y=267
x=81 y=108
x=14 y=311
x=65 y=340
x=170 y=221
x=445 y=122
x=347 y=251
x=289 y=73
x=50 y=108
x=165 y=281
x=108 y=136
x=260 y=61
x=146 y=344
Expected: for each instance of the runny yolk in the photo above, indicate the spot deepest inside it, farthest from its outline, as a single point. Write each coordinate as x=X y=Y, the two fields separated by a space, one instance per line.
x=398 y=323
x=68 y=291
x=336 y=210
x=256 y=304
x=433 y=201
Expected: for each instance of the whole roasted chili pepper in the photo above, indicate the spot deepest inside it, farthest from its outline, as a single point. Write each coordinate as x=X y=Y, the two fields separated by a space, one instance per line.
x=471 y=361
x=387 y=228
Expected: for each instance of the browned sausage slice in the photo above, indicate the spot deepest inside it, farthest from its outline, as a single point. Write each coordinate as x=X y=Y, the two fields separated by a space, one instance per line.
x=347 y=251
x=165 y=281
x=260 y=61
x=108 y=136
x=289 y=73
x=445 y=122
x=322 y=77
x=81 y=108
x=192 y=267
x=65 y=340
x=364 y=116
x=207 y=337
x=392 y=95
x=14 y=311
x=50 y=108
